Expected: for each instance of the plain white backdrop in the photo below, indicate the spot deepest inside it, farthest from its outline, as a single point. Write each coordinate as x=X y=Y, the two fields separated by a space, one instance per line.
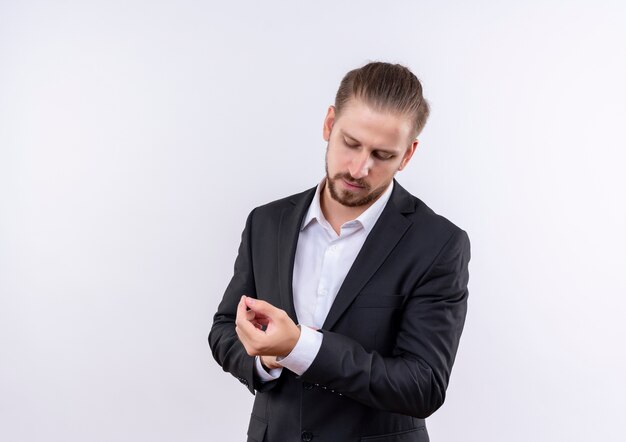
x=135 y=136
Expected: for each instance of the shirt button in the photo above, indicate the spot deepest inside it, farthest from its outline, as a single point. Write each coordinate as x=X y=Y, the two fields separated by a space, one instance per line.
x=307 y=436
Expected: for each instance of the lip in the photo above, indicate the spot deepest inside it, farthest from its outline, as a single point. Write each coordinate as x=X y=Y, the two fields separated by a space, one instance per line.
x=351 y=186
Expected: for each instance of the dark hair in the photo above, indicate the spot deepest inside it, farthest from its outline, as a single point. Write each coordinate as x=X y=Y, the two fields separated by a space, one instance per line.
x=385 y=87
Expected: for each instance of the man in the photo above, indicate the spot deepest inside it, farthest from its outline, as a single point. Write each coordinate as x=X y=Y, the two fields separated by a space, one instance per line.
x=348 y=300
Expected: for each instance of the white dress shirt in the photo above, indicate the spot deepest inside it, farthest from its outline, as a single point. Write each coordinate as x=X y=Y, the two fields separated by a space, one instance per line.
x=322 y=262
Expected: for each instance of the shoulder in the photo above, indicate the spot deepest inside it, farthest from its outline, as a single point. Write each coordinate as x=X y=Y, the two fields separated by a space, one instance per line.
x=273 y=209
x=426 y=224
x=425 y=215
x=288 y=201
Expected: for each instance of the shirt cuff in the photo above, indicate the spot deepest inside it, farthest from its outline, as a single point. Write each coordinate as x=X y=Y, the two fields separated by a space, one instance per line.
x=303 y=354
x=263 y=375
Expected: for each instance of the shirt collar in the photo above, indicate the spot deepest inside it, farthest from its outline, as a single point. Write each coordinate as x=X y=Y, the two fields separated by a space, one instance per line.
x=367 y=219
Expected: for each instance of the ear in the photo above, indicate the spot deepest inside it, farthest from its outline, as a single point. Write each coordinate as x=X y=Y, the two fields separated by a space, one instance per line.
x=408 y=154
x=329 y=121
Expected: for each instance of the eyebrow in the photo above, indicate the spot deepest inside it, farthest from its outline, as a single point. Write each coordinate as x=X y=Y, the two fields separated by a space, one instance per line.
x=393 y=152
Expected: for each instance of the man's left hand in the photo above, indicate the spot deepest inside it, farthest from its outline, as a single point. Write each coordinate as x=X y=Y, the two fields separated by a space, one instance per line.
x=281 y=333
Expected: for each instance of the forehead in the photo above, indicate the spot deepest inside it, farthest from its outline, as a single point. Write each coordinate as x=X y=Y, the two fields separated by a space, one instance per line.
x=373 y=127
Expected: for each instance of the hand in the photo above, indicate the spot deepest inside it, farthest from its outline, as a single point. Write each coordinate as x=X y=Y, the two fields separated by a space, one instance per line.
x=281 y=333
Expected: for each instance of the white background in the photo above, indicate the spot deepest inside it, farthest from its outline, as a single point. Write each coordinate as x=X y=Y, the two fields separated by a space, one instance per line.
x=135 y=136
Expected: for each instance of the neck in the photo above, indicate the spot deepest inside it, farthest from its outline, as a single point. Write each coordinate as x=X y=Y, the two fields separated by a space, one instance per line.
x=336 y=213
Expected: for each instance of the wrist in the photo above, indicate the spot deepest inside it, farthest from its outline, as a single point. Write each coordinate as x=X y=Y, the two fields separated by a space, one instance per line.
x=268 y=363
x=265 y=367
x=297 y=338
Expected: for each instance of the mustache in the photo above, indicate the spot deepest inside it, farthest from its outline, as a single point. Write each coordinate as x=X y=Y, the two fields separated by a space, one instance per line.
x=350 y=179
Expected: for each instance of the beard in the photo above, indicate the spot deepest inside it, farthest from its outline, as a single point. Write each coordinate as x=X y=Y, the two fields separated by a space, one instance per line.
x=350 y=199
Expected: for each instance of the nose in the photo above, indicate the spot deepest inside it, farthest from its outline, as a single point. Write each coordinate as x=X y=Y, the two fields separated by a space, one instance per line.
x=360 y=165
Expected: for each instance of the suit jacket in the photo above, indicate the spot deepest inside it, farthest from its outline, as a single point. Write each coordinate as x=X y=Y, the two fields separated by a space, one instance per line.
x=390 y=337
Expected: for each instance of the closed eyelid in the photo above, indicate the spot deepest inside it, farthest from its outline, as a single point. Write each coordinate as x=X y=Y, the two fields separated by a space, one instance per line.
x=381 y=154
x=384 y=155
x=349 y=138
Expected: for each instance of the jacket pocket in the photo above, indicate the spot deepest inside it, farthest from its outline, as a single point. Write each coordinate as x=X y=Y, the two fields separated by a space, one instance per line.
x=418 y=434
x=256 y=429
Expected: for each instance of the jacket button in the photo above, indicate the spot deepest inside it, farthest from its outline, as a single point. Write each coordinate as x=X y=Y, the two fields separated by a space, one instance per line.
x=307 y=386
x=307 y=436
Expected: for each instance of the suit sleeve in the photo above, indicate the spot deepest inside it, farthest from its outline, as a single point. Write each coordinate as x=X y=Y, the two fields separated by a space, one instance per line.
x=413 y=380
x=227 y=350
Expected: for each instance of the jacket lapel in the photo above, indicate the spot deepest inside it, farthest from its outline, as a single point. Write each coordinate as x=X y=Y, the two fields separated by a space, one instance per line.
x=383 y=238
x=288 y=233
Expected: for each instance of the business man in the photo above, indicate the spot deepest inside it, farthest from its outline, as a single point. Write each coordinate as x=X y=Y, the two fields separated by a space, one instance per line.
x=347 y=302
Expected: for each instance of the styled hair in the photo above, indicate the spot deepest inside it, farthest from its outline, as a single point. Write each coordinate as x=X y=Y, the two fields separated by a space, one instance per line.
x=385 y=87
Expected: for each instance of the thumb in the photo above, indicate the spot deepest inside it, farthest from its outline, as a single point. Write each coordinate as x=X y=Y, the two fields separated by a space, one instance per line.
x=259 y=306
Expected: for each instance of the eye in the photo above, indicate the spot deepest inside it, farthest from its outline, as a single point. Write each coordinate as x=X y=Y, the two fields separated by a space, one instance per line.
x=349 y=144
x=383 y=155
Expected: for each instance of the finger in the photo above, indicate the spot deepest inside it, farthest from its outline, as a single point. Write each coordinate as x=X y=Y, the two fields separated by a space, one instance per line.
x=245 y=338
x=241 y=308
x=262 y=321
x=262 y=307
x=242 y=321
x=259 y=315
x=245 y=342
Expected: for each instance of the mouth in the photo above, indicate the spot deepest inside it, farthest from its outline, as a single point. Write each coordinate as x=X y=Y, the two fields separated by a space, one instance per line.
x=350 y=185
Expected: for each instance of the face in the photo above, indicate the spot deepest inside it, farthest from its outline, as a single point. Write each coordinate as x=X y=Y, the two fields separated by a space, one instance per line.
x=365 y=150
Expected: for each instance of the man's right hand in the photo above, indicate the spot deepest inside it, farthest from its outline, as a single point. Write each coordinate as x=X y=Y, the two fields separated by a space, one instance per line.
x=264 y=329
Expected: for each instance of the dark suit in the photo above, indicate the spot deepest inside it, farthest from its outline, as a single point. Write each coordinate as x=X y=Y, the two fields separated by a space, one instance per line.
x=389 y=340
